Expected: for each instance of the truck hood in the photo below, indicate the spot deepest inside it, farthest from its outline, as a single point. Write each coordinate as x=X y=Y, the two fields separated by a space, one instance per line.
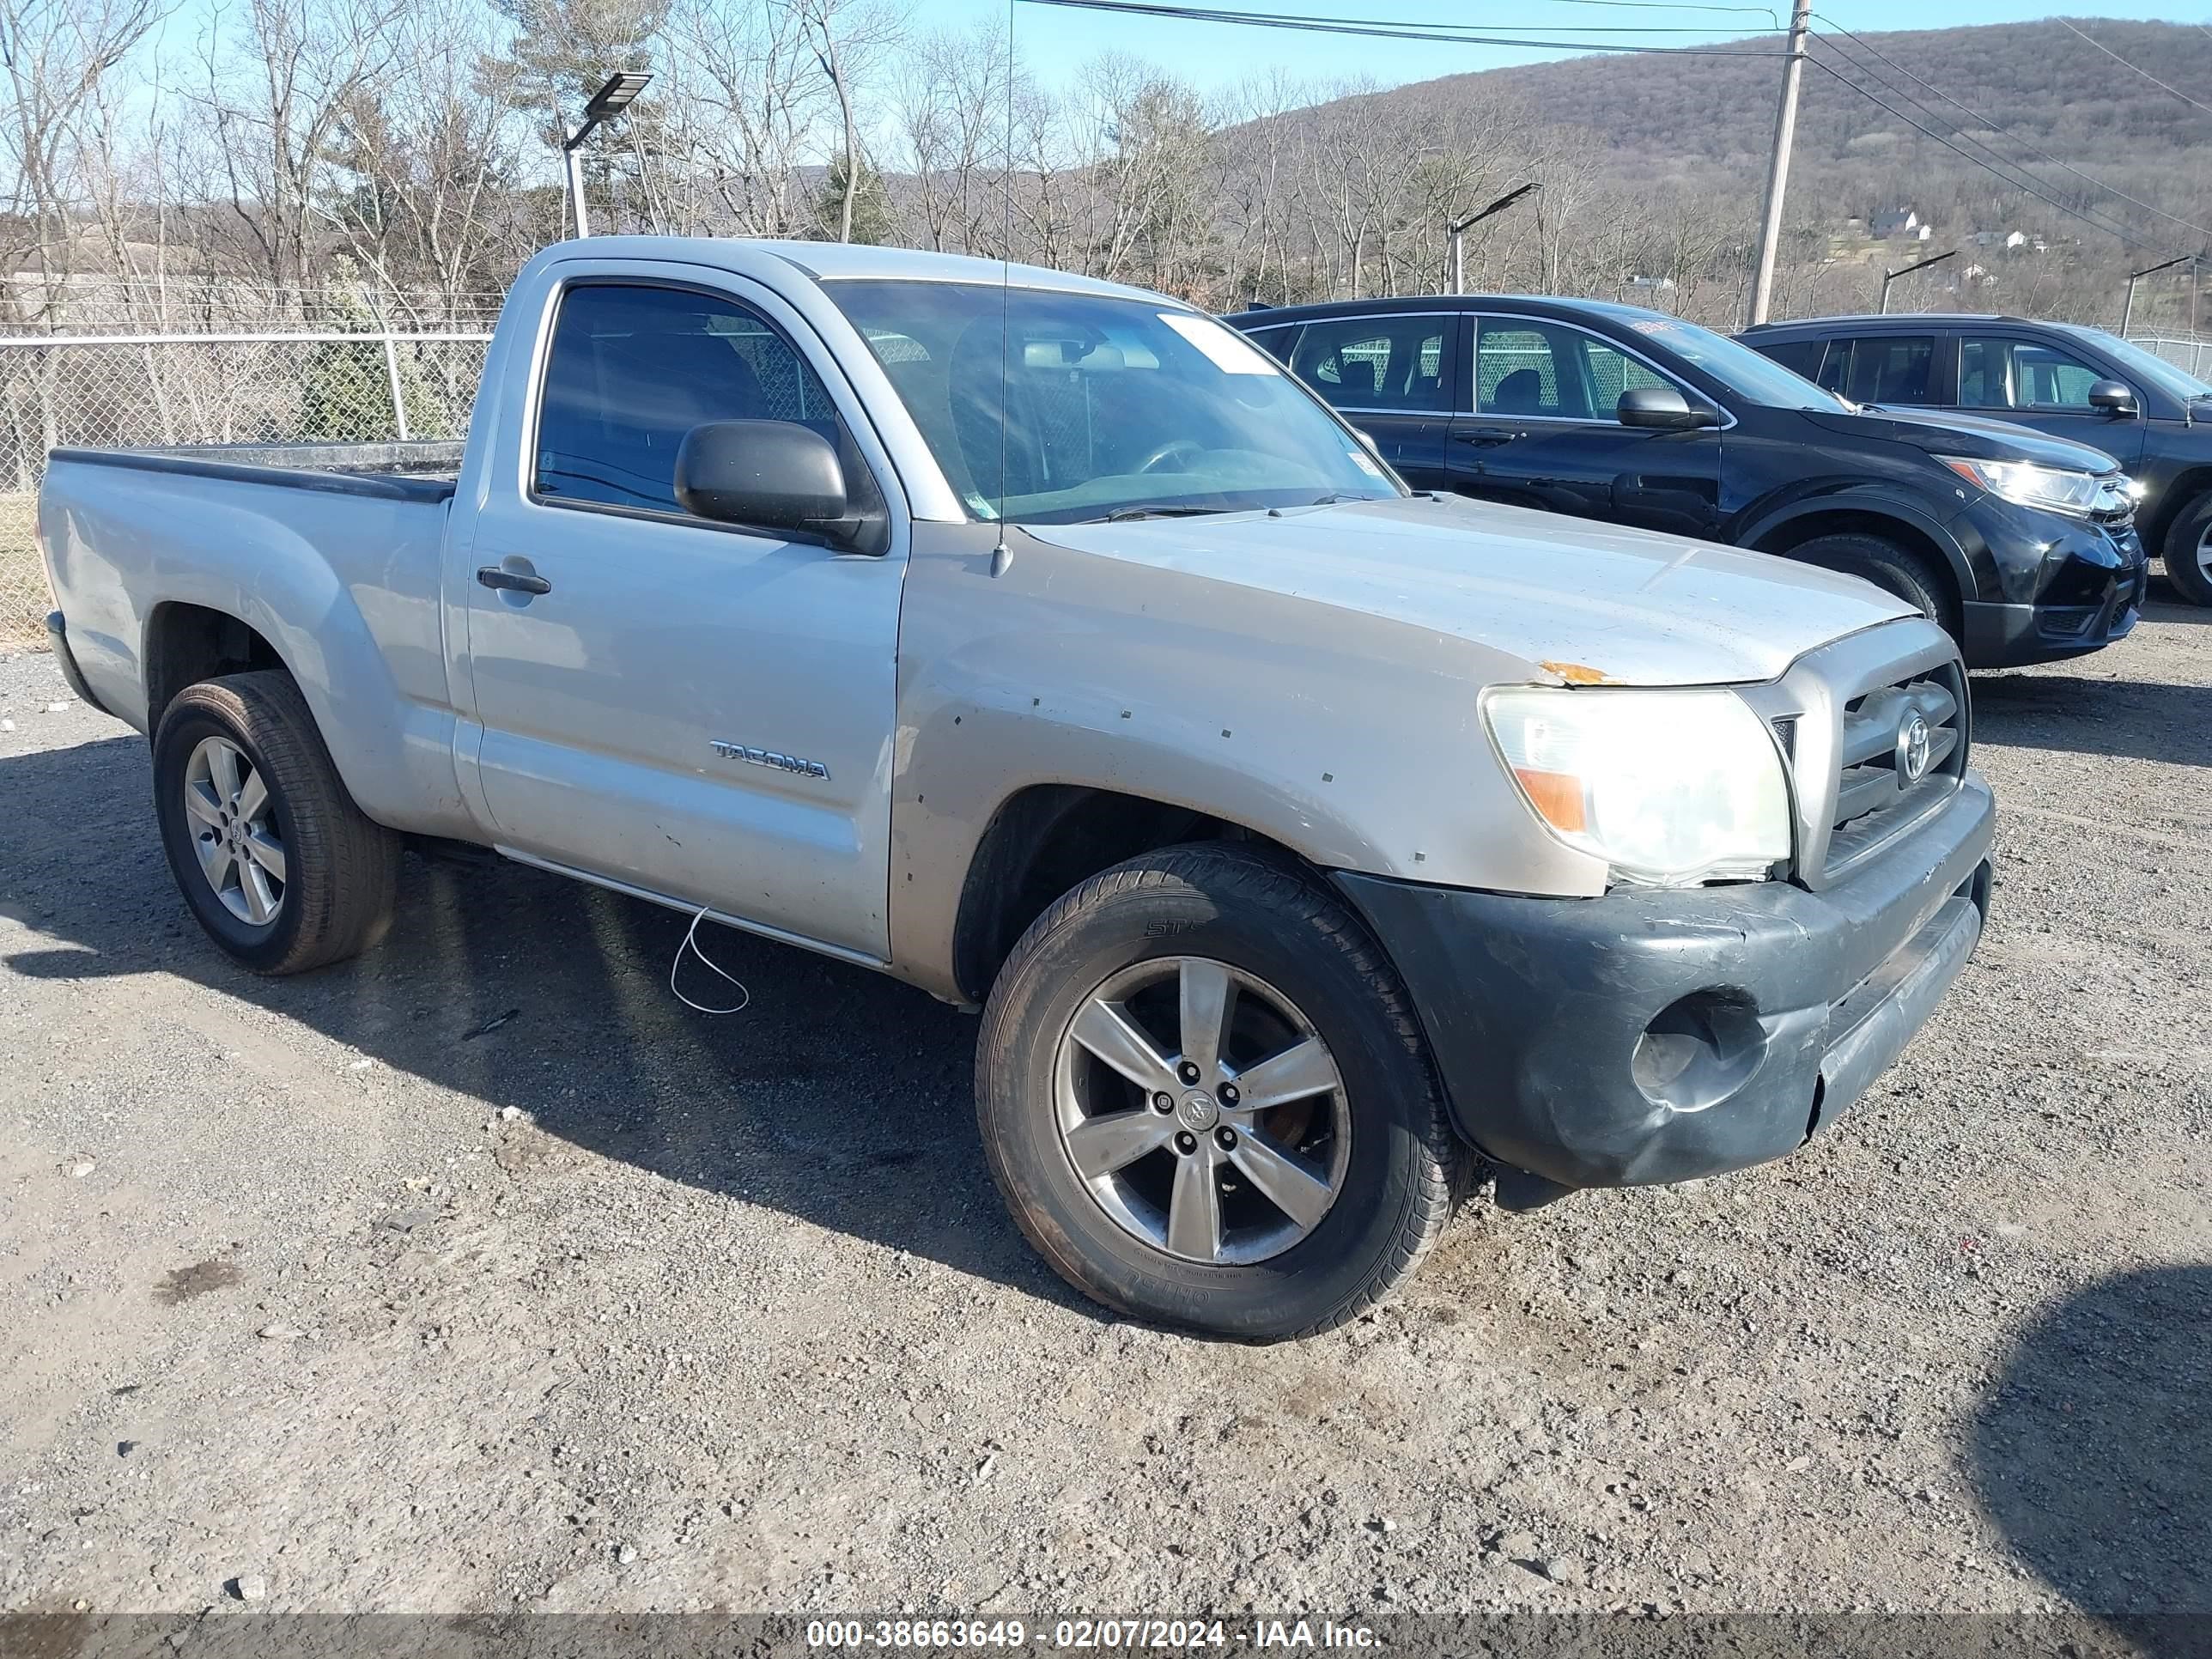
x=1973 y=437
x=1575 y=601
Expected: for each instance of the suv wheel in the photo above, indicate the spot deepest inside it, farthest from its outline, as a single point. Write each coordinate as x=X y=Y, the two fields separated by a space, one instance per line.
x=276 y=862
x=2188 y=551
x=1206 y=1099
x=1892 y=568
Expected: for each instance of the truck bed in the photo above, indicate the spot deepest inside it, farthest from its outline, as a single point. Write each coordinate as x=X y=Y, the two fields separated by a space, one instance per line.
x=425 y=471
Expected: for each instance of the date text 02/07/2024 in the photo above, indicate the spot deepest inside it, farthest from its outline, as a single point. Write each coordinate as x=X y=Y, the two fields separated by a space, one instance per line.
x=1117 y=1634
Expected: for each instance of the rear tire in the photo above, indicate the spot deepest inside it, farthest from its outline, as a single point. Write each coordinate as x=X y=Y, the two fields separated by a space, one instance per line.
x=1893 y=568
x=1373 y=1167
x=2188 y=551
x=278 y=865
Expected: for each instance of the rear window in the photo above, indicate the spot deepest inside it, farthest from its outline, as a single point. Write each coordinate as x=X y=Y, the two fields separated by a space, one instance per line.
x=1892 y=368
x=1798 y=356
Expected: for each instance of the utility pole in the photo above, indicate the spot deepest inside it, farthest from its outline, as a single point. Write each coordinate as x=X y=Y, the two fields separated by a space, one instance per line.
x=2128 y=308
x=1777 y=171
x=1459 y=229
x=1889 y=276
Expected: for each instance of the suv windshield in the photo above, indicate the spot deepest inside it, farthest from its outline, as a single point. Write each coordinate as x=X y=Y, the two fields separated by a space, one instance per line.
x=1096 y=405
x=2177 y=382
x=1747 y=372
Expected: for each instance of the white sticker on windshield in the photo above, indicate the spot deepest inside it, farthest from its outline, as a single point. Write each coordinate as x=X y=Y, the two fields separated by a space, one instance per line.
x=1229 y=352
x=1360 y=460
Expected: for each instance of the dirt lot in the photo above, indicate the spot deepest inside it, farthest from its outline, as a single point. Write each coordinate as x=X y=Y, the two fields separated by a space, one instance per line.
x=479 y=1274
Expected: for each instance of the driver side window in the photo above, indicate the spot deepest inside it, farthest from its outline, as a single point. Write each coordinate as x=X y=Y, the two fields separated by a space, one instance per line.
x=1999 y=374
x=632 y=368
x=1529 y=367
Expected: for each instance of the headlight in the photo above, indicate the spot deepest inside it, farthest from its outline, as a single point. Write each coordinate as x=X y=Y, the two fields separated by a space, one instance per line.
x=2029 y=484
x=1670 y=788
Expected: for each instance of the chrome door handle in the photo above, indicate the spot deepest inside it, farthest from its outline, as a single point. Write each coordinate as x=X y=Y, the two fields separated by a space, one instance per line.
x=514 y=582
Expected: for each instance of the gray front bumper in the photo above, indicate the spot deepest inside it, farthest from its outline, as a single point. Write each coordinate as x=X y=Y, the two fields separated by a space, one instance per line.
x=1560 y=1026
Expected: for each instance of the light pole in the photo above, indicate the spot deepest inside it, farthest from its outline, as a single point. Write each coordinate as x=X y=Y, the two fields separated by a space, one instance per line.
x=1889 y=276
x=609 y=101
x=1462 y=227
x=2128 y=310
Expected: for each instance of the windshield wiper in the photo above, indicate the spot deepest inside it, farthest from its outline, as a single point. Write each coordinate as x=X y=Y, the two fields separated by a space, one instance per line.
x=1124 y=514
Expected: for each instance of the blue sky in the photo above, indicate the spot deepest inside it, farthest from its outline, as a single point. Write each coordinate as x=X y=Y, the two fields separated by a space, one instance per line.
x=1054 y=41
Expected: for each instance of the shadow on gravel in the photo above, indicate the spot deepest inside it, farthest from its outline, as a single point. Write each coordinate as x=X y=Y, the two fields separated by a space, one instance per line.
x=838 y=1095
x=2093 y=1454
x=2138 y=720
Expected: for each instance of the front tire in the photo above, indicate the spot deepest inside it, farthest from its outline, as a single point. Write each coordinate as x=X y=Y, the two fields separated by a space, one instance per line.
x=1303 y=1163
x=1893 y=568
x=278 y=865
x=2188 y=551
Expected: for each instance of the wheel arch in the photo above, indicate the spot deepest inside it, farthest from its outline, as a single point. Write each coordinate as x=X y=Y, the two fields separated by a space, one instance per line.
x=1044 y=839
x=2182 y=493
x=1916 y=531
x=186 y=643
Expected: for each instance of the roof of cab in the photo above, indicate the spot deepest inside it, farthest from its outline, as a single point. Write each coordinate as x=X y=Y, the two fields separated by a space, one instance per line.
x=1885 y=319
x=830 y=262
x=1536 y=305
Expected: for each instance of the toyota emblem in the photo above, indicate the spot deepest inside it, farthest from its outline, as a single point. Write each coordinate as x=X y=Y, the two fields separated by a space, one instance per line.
x=1913 y=747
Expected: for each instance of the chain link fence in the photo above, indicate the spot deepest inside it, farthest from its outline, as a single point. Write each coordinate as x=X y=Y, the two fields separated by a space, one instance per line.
x=2192 y=356
x=163 y=390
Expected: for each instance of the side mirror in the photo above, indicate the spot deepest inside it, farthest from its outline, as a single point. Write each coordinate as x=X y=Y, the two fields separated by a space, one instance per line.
x=776 y=474
x=1659 y=408
x=2113 y=396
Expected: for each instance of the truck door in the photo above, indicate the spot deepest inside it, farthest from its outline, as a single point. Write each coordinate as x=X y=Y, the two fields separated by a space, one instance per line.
x=700 y=710
x=1539 y=429
x=1390 y=377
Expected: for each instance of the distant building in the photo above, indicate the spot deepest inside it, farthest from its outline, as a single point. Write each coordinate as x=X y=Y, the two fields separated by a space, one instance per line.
x=1651 y=281
x=1900 y=222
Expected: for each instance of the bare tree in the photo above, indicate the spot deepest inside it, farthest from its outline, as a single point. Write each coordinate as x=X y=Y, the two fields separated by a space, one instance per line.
x=278 y=82
x=57 y=55
x=952 y=120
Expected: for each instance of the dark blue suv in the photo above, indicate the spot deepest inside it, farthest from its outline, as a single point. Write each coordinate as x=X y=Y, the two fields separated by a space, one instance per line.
x=2022 y=546
x=2059 y=378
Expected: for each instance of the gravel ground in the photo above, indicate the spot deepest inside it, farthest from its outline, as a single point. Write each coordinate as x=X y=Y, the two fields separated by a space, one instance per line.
x=479 y=1275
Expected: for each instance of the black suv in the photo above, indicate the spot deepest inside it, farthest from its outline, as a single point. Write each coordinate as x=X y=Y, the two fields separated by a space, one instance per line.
x=2022 y=546
x=2072 y=382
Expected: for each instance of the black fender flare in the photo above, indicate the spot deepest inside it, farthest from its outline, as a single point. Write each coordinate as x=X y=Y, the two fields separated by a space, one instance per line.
x=1872 y=504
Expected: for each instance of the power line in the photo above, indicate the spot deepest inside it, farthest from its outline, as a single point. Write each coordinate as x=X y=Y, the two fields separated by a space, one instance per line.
x=1930 y=132
x=1997 y=126
x=1378 y=29
x=2138 y=68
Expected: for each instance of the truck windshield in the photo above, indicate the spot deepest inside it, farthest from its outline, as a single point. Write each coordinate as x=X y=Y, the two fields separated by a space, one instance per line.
x=1056 y=407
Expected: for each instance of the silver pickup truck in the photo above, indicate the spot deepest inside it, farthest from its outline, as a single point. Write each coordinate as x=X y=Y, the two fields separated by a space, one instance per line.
x=1309 y=845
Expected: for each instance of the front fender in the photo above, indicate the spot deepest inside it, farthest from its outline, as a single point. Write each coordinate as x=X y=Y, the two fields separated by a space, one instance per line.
x=1761 y=522
x=1353 y=740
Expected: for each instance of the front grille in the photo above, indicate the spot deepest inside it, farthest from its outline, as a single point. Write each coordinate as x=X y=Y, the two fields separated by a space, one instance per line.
x=1876 y=797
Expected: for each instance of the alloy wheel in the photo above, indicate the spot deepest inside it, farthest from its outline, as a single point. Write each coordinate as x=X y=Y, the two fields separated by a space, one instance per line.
x=1202 y=1111
x=233 y=829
